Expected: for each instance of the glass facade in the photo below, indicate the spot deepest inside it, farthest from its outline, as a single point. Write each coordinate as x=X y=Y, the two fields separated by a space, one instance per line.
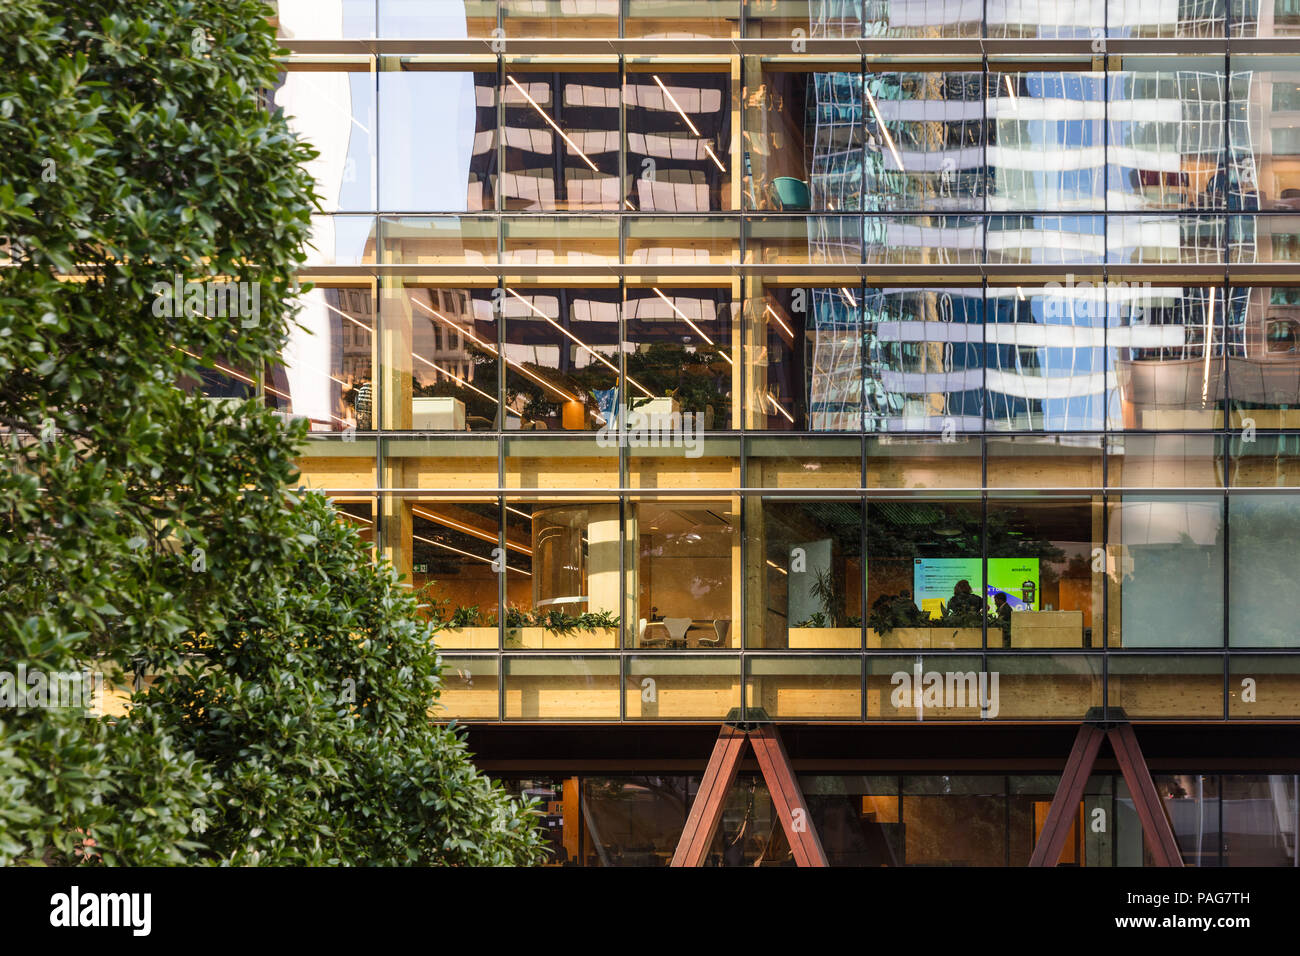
x=695 y=376
x=918 y=819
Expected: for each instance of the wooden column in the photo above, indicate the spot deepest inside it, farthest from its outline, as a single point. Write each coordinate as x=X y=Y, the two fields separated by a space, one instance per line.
x=706 y=810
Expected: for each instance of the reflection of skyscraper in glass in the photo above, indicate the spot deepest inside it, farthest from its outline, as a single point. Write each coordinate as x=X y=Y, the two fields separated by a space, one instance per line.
x=1035 y=168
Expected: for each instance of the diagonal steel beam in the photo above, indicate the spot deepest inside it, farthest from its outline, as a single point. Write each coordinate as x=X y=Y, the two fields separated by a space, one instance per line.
x=1065 y=804
x=1150 y=808
x=787 y=799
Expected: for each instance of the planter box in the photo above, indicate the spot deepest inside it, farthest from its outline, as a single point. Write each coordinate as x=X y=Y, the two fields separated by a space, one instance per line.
x=458 y=637
x=540 y=637
x=830 y=637
x=1047 y=629
x=439 y=413
x=931 y=637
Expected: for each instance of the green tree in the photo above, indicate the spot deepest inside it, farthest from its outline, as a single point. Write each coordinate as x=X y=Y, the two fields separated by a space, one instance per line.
x=147 y=528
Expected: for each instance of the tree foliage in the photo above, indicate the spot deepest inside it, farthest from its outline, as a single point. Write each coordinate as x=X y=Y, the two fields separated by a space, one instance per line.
x=144 y=530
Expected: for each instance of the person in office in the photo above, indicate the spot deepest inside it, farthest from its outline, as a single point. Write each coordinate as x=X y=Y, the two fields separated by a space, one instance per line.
x=1003 y=611
x=963 y=599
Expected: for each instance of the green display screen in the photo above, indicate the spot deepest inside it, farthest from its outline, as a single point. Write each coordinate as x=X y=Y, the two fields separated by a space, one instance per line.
x=933 y=581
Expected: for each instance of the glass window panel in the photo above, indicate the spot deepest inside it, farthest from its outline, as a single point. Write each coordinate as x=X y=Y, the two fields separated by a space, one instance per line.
x=925 y=135
x=1148 y=687
x=335 y=113
x=558 y=812
x=587 y=19
x=1263 y=552
x=1043 y=686
x=680 y=354
x=680 y=240
x=341 y=241
x=561 y=351
x=454 y=554
x=469 y=689
x=639 y=819
x=925 y=573
x=1263 y=686
x=1265 y=18
x=1045 y=150
x=1045 y=357
x=1165 y=137
x=444 y=355
x=435 y=240
x=803 y=137
x=1192 y=807
x=1161 y=547
x=789 y=461
x=1044 y=461
x=1042 y=556
x=1046 y=19
x=451 y=461
x=681 y=19
x=671 y=687
x=1263 y=333
x=922 y=364
x=1196 y=18
x=955 y=821
x=566 y=240
x=358 y=514
x=326 y=373
x=922 y=19
x=328 y=461
x=312 y=20
x=901 y=461
x=804 y=356
x=678 y=138
x=1165 y=356
x=856 y=818
x=561 y=140
x=436 y=19
x=811 y=576
x=1046 y=240
x=560 y=461
x=795 y=240
x=1175 y=240
x=561 y=688
x=1265 y=461
x=437 y=146
x=835 y=19
x=709 y=462
x=924 y=240
x=1164 y=461
x=562 y=575
x=683 y=571
x=1263 y=131
x=1264 y=238
x=786 y=688
x=1259 y=819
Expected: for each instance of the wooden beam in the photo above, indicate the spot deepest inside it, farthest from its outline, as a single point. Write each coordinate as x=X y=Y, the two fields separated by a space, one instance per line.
x=1150 y=808
x=706 y=810
x=1065 y=804
x=787 y=799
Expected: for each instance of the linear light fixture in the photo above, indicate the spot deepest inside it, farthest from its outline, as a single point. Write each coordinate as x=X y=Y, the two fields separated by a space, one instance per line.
x=788 y=330
x=777 y=405
x=467 y=529
x=884 y=130
x=698 y=331
x=1209 y=326
x=563 y=135
x=439 y=544
x=849 y=295
x=682 y=113
x=581 y=344
x=1011 y=90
